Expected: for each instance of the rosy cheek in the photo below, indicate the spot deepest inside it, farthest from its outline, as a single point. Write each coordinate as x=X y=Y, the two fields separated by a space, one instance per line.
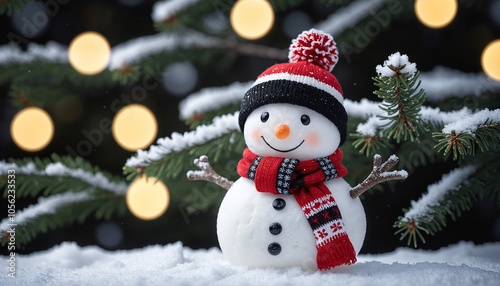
x=312 y=139
x=256 y=135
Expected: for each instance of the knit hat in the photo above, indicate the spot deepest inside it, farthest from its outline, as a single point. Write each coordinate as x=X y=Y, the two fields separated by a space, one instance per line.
x=306 y=81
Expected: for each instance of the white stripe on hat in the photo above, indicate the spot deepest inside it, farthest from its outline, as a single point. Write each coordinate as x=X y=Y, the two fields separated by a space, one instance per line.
x=302 y=79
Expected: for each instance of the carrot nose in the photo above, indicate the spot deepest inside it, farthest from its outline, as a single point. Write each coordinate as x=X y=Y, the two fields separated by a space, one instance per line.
x=282 y=131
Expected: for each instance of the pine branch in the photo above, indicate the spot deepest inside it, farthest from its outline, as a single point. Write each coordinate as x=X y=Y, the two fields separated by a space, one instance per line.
x=369 y=139
x=402 y=99
x=208 y=174
x=202 y=106
x=174 y=16
x=368 y=145
x=417 y=154
x=206 y=118
x=369 y=134
x=58 y=174
x=454 y=194
x=126 y=74
x=54 y=75
x=249 y=49
x=100 y=207
x=402 y=102
x=48 y=65
x=220 y=140
x=222 y=127
x=373 y=135
x=378 y=175
x=34 y=95
x=164 y=11
x=68 y=190
x=173 y=164
x=479 y=130
x=52 y=52
x=443 y=83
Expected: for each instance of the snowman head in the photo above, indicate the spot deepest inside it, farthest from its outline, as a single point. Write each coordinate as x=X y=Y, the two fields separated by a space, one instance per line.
x=290 y=131
x=295 y=109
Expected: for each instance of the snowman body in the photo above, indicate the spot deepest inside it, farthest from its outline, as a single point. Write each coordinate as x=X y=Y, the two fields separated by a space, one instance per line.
x=248 y=218
x=258 y=229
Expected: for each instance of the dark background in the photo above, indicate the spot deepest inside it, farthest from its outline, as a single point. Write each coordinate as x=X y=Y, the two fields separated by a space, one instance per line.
x=457 y=46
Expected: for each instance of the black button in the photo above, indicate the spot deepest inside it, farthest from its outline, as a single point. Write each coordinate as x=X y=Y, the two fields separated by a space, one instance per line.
x=274 y=248
x=279 y=204
x=275 y=228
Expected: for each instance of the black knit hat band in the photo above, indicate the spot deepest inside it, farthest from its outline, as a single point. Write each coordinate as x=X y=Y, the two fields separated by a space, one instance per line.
x=298 y=93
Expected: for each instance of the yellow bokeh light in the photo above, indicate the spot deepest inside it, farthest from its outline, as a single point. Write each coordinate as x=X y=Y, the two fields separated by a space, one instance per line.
x=252 y=19
x=147 y=199
x=490 y=60
x=436 y=13
x=32 y=129
x=134 y=127
x=89 y=53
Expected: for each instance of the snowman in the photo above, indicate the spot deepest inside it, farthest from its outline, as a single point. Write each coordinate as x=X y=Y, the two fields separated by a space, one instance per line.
x=291 y=207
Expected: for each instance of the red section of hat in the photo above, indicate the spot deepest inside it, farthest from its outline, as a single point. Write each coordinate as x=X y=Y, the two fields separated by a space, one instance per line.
x=305 y=69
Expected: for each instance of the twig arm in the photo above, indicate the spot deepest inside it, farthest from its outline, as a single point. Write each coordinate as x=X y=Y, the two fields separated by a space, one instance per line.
x=379 y=174
x=207 y=173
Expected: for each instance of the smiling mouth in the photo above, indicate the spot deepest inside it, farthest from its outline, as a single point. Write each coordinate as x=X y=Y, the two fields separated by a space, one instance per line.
x=284 y=151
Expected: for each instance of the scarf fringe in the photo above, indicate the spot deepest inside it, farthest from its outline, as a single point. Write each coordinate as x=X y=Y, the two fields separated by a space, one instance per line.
x=338 y=252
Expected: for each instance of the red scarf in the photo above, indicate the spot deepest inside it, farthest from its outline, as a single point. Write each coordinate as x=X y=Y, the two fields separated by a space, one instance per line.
x=304 y=179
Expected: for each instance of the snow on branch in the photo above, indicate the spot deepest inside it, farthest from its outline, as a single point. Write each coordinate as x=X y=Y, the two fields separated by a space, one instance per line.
x=51 y=52
x=97 y=179
x=437 y=191
x=45 y=205
x=212 y=98
x=140 y=48
x=434 y=114
x=347 y=17
x=137 y=49
x=369 y=128
x=163 y=10
x=362 y=108
x=126 y=53
x=397 y=64
x=221 y=125
x=442 y=83
x=471 y=123
x=366 y=108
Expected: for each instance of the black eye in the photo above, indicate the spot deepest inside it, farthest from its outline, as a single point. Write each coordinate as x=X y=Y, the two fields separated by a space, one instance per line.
x=264 y=116
x=305 y=119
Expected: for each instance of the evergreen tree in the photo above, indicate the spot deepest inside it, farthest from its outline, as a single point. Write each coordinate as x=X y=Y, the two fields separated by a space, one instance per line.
x=421 y=117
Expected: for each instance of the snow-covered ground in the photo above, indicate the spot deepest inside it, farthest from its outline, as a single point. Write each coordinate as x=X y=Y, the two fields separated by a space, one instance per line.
x=68 y=264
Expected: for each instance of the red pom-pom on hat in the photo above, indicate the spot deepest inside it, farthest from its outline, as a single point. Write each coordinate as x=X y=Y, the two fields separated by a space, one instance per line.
x=316 y=47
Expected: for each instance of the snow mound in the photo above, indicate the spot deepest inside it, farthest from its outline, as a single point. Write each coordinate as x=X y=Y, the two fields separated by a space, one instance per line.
x=173 y=264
